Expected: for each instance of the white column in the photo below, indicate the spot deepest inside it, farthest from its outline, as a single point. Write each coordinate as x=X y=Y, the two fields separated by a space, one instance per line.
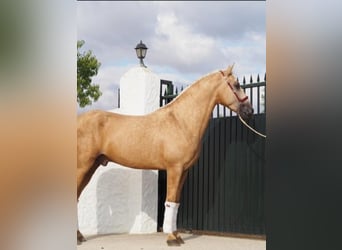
x=119 y=199
x=139 y=91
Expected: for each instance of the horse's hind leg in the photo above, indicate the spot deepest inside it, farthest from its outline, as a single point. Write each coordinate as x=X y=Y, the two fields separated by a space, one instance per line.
x=175 y=181
x=84 y=174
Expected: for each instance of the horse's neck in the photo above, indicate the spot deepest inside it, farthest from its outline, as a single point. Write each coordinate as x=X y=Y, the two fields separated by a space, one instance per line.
x=194 y=106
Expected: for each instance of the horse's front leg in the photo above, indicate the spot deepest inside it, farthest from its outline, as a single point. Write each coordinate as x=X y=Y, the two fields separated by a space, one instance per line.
x=175 y=181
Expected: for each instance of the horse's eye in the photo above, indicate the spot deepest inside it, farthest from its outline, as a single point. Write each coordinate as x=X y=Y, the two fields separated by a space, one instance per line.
x=237 y=86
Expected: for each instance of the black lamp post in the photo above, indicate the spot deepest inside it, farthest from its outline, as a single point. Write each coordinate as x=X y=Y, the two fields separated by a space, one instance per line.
x=141 y=49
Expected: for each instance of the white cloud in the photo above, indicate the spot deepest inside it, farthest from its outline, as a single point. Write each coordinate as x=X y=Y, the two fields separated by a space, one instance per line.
x=177 y=45
x=188 y=47
x=249 y=55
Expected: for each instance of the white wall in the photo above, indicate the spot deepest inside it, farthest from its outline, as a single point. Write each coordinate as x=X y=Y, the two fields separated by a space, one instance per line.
x=119 y=199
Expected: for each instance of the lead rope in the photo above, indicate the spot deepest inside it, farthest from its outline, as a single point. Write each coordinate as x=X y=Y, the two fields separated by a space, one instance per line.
x=251 y=127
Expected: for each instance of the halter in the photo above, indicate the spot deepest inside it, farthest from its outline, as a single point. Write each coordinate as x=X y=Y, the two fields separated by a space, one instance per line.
x=241 y=101
x=234 y=91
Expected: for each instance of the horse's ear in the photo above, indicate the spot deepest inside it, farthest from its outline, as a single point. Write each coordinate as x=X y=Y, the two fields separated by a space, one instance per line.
x=230 y=69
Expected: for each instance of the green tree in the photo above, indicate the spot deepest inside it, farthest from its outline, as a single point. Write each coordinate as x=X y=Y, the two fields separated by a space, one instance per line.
x=87 y=67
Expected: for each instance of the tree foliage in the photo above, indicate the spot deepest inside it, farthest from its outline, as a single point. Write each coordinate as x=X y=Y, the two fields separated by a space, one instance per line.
x=87 y=67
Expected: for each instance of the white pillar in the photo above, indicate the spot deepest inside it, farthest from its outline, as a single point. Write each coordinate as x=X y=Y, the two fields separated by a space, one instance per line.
x=139 y=91
x=120 y=199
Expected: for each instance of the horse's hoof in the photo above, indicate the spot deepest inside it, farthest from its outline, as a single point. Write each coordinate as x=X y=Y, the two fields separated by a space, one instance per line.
x=80 y=238
x=180 y=240
x=173 y=243
x=174 y=239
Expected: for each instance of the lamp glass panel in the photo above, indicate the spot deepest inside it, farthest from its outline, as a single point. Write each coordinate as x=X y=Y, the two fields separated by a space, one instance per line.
x=143 y=52
x=139 y=52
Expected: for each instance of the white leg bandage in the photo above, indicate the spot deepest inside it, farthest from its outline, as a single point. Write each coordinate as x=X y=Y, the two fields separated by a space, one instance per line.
x=170 y=217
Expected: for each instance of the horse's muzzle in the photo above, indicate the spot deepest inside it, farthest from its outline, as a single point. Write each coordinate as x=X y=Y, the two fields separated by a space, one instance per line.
x=246 y=111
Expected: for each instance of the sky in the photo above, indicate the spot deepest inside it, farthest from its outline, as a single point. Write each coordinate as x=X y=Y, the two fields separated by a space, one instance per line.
x=186 y=40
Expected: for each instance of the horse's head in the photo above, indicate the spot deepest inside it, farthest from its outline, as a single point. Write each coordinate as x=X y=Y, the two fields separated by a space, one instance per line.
x=231 y=95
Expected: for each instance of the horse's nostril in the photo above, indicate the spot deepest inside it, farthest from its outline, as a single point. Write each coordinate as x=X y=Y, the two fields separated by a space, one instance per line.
x=252 y=110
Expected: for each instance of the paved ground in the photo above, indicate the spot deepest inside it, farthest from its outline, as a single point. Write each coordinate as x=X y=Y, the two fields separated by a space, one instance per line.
x=157 y=241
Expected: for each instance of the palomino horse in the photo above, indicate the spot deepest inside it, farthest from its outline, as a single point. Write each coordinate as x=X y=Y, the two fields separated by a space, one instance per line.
x=143 y=142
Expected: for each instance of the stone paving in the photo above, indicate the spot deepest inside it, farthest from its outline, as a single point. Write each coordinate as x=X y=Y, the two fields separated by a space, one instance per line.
x=157 y=241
